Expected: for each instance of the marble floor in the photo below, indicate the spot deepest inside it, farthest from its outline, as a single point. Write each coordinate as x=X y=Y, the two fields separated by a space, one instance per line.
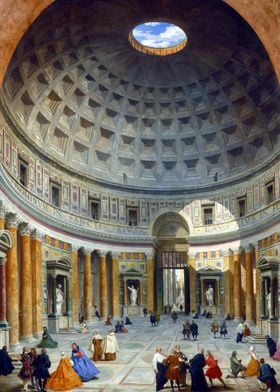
x=132 y=371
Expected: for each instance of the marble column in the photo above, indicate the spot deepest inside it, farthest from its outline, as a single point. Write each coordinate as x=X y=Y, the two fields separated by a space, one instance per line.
x=115 y=286
x=87 y=286
x=237 y=286
x=150 y=282
x=103 y=285
x=249 y=293
x=3 y=297
x=228 y=279
x=25 y=283
x=12 y=284
x=36 y=262
x=75 y=286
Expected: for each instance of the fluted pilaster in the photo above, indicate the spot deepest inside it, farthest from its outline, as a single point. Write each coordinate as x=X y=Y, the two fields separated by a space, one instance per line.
x=115 y=286
x=87 y=286
x=25 y=283
x=75 y=286
x=12 y=282
x=249 y=294
x=103 y=285
x=36 y=263
x=237 y=286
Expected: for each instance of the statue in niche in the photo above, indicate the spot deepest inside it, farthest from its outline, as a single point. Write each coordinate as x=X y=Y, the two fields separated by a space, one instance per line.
x=133 y=295
x=209 y=294
x=59 y=299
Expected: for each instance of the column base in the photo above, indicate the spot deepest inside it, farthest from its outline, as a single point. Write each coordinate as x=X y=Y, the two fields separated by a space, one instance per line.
x=250 y=322
x=238 y=319
x=4 y=336
x=27 y=339
x=15 y=348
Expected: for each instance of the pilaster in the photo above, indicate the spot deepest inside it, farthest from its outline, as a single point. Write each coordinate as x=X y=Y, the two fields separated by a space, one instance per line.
x=36 y=263
x=150 y=281
x=25 y=283
x=103 y=285
x=249 y=293
x=237 y=286
x=87 y=285
x=12 y=283
x=75 y=285
x=115 y=285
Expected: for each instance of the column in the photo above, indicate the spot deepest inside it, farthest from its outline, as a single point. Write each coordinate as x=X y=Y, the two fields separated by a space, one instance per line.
x=25 y=283
x=103 y=285
x=249 y=294
x=150 y=282
x=228 y=278
x=3 y=297
x=36 y=262
x=12 y=284
x=257 y=287
x=193 y=288
x=115 y=286
x=237 y=286
x=87 y=286
x=75 y=286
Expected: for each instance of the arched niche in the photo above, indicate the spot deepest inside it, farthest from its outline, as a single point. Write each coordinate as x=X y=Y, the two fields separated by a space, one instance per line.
x=210 y=277
x=58 y=293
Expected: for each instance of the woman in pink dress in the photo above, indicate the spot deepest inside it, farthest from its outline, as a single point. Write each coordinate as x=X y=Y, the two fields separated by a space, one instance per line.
x=276 y=355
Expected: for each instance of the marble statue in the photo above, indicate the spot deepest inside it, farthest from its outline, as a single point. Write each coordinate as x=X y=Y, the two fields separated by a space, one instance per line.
x=209 y=293
x=133 y=295
x=59 y=299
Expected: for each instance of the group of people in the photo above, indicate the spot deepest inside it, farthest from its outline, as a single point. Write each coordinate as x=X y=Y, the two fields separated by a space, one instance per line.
x=190 y=329
x=255 y=367
x=104 y=349
x=70 y=373
x=215 y=328
x=174 y=367
x=242 y=331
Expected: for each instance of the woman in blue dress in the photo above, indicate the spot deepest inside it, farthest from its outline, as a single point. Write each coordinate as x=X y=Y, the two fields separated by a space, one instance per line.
x=82 y=365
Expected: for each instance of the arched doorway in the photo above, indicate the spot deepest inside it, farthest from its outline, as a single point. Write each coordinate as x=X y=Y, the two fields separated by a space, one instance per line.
x=172 y=270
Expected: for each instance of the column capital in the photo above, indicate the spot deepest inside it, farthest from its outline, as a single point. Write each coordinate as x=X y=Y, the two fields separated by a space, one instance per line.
x=86 y=251
x=249 y=248
x=115 y=255
x=37 y=235
x=102 y=253
x=75 y=248
x=238 y=251
x=3 y=210
x=11 y=220
x=150 y=253
x=228 y=252
x=24 y=229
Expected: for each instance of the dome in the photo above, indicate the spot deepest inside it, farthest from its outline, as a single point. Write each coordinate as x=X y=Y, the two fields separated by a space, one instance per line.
x=87 y=100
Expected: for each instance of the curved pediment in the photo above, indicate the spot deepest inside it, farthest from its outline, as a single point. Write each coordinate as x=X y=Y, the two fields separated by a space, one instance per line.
x=6 y=240
x=265 y=262
x=63 y=263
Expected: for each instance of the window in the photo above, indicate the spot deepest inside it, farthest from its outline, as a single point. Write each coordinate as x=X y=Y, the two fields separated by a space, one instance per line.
x=23 y=172
x=242 y=206
x=270 y=192
x=208 y=215
x=55 y=194
x=132 y=216
x=95 y=209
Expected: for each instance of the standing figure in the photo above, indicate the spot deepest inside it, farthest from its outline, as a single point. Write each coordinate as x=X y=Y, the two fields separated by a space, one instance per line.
x=47 y=341
x=159 y=369
x=96 y=346
x=174 y=316
x=197 y=364
x=213 y=370
x=133 y=295
x=276 y=355
x=82 y=365
x=236 y=366
x=266 y=376
x=209 y=293
x=33 y=355
x=183 y=364
x=223 y=329
x=59 y=299
x=194 y=330
x=153 y=319
x=246 y=330
x=271 y=345
x=253 y=365
x=6 y=366
x=186 y=329
x=109 y=320
x=41 y=372
x=64 y=377
x=239 y=333
x=25 y=373
x=110 y=346
x=214 y=327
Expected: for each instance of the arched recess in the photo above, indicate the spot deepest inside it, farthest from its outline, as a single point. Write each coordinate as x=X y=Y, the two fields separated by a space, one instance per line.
x=17 y=16
x=171 y=231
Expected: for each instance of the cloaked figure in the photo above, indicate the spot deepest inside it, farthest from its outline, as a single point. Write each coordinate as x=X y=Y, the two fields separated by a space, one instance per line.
x=6 y=366
x=82 y=365
x=47 y=341
x=97 y=346
x=110 y=347
x=64 y=377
